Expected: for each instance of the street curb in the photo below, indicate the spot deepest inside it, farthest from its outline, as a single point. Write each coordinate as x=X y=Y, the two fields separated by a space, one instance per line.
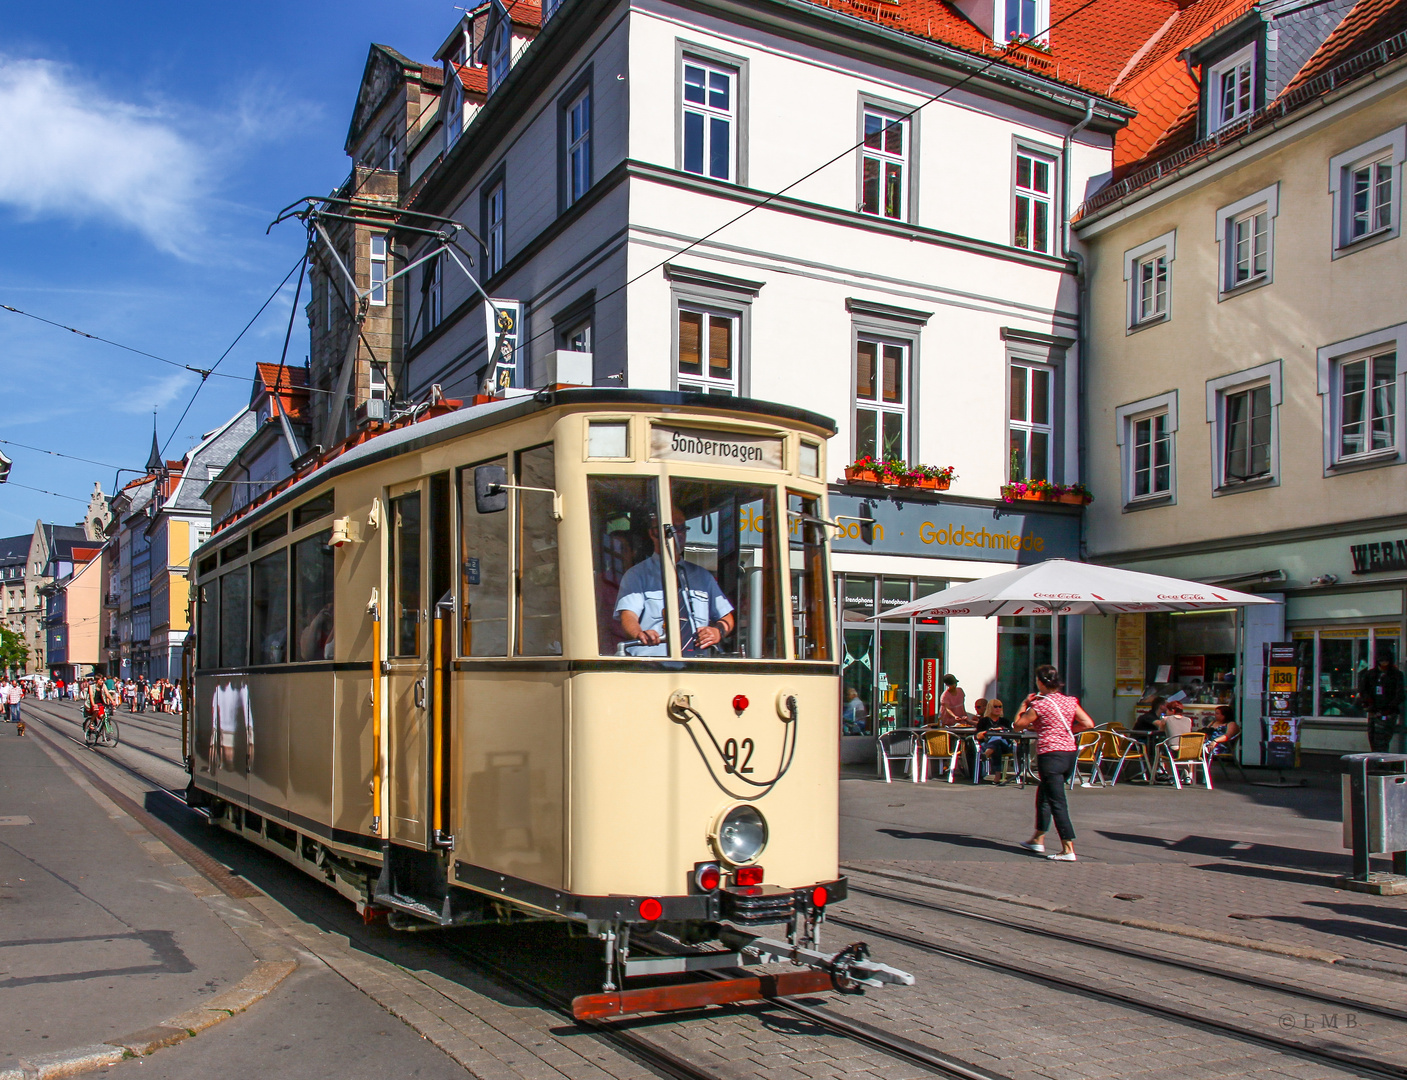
x=254 y=987
x=1297 y=952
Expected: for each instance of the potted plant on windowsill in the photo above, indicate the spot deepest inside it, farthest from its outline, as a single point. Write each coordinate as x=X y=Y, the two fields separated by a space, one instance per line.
x=865 y=470
x=929 y=477
x=1046 y=491
x=894 y=473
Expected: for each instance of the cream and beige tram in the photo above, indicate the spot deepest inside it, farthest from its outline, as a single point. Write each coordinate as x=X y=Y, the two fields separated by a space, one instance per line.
x=567 y=655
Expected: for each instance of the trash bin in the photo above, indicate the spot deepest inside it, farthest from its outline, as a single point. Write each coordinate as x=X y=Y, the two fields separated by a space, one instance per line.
x=1374 y=788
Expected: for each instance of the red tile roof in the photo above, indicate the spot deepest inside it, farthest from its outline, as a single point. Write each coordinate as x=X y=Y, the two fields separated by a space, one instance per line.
x=292 y=377
x=432 y=75
x=475 y=80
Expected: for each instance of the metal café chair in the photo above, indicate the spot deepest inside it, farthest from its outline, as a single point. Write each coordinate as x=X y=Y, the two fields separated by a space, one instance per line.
x=1126 y=749
x=1185 y=752
x=1229 y=758
x=901 y=745
x=1089 y=751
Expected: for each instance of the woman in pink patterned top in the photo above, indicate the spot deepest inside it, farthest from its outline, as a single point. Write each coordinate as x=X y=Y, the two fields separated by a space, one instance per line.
x=1056 y=717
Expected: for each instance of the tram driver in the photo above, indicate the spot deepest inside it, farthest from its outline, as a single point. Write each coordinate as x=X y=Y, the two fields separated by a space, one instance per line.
x=705 y=620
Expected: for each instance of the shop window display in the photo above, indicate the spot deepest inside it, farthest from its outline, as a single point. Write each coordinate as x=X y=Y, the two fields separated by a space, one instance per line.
x=882 y=664
x=1337 y=656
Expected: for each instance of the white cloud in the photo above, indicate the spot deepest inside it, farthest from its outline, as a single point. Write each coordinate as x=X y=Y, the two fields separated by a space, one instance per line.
x=72 y=152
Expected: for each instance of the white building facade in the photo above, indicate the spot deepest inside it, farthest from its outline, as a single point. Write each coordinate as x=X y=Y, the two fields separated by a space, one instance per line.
x=797 y=203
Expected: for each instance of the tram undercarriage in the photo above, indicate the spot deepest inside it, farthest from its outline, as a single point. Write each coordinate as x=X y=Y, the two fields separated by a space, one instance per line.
x=411 y=890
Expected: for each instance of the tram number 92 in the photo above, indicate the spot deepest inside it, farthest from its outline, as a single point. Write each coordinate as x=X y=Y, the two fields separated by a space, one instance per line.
x=738 y=756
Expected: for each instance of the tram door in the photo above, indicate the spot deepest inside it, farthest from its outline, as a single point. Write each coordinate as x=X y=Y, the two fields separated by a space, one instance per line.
x=417 y=576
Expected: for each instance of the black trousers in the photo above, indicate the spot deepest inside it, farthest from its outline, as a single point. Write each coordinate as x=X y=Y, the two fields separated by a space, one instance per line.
x=1054 y=769
x=1380 y=729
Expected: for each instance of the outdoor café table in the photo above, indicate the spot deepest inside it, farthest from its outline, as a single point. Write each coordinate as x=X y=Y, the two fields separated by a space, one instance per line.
x=1025 y=756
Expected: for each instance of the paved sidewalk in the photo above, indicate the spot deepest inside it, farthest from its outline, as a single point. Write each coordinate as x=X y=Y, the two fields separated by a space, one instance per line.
x=1242 y=863
x=105 y=932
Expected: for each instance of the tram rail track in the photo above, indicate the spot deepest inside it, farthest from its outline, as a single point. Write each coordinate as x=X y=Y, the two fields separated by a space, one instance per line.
x=1130 y=951
x=1355 y=1064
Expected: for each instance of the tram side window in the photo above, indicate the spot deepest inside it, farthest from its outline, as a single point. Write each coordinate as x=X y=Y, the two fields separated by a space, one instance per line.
x=725 y=553
x=234 y=618
x=312 y=597
x=405 y=575
x=269 y=608
x=209 y=640
x=810 y=614
x=484 y=572
x=539 y=588
x=624 y=513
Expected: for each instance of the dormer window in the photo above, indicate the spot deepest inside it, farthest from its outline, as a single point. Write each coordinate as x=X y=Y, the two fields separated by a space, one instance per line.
x=1026 y=19
x=496 y=52
x=454 y=94
x=1231 y=89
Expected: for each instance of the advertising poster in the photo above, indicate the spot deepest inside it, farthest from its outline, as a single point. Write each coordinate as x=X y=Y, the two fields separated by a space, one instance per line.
x=1129 y=654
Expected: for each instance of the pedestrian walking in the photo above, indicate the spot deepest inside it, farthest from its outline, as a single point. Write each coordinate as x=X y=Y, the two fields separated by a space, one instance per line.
x=14 y=695
x=1056 y=717
x=1380 y=696
x=952 y=706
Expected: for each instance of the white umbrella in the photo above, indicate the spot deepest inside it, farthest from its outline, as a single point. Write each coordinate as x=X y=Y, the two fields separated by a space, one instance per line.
x=1058 y=587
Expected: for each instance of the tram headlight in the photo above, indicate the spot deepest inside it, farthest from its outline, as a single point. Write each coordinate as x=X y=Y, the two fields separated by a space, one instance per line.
x=741 y=835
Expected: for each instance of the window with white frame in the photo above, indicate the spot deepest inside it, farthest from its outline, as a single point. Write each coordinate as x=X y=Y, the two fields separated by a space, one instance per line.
x=376 y=388
x=1031 y=421
x=497 y=50
x=1231 y=90
x=576 y=337
x=578 y=146
x=884 y=159
x=1148 y=272
x=1026 y=19
x=1035 y=201
x=494 y=213
x=1246 y=237
x=881 y=398
x=377 y=293
x=1243 y=408
x=1361 y=384
x=708 y=351
x=1145 y=432
x=390 y=147
x=454 y=97
x=1366 y=183
x=431 y=293
x=709 y=119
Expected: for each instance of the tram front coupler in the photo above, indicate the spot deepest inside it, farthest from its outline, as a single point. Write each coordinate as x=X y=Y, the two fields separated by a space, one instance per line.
x=851 y=969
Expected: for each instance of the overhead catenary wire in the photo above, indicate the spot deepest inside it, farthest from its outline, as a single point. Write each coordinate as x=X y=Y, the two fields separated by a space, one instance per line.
x=42 y=491
x=1006 y=51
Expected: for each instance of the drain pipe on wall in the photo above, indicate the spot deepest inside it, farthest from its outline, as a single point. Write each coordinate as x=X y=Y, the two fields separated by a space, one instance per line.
x=1074 y=640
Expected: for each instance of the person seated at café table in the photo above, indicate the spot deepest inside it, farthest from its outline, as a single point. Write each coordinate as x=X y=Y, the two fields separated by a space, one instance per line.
x=1152 y=723
x=1220 y=730
x=994 y=746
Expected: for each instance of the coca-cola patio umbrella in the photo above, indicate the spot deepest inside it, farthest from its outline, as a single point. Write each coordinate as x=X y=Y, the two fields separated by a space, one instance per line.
x=1060 y=587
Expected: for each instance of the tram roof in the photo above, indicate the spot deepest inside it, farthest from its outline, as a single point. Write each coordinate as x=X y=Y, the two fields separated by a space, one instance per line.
x=426 y=433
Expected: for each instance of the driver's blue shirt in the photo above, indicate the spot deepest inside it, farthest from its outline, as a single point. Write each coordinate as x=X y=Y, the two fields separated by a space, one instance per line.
x=642 y=593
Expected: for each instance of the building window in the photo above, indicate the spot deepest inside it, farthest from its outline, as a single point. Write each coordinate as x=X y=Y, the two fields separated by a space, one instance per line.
x=1035 y=201
x=494 y=213
x=709 y=120
x=576 y=337
x=496 y=52
x=1145 y=434
x=1150 y=285
x=708 y=352
x=1366 y=183
x=1244 y=408
x=327 y=293
x=884 y=161
x=881 y=399
x=377 y=294
x=376 y=389
x=389 y=147
x=1367 y=405
x=1231 y=89
x=1032 y=421
x=1027 y=19
x=432 y=294
x=1246 y=235
x=578 y=146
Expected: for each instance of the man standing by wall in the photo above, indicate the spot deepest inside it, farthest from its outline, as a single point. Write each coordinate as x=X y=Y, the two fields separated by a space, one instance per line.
x=1380 y=695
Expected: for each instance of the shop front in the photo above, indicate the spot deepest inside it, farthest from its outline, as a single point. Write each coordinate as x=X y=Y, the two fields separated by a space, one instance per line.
x=1343 y=607
x=890 y=549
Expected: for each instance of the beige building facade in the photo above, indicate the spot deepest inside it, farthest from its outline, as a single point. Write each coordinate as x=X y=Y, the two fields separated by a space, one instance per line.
x=1248 y=345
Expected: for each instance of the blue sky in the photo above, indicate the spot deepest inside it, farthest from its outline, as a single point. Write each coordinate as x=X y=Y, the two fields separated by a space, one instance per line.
x=148 y=146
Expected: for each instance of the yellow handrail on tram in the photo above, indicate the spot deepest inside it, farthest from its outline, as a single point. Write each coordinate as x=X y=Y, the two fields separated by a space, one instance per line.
x=376 y=726
x=437 y=676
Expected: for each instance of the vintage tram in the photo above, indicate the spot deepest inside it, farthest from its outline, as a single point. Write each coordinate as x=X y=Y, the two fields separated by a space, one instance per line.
x=566 y=654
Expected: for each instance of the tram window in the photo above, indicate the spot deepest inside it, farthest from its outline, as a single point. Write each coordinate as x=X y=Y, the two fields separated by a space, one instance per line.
x=624 y=510
x=235 y=550
x=539 y=589
x=726 y=551
x=405 y=574
x=810 y=609
x=312 y=597
x=267 y=534
x=207 y=566
x=268 y=588
x=312 y=509
x=810 y=463
x=234 y=618
x=209 y=639
x=484 y=573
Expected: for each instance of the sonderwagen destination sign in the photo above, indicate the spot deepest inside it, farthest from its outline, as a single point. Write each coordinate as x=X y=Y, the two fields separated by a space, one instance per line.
x=715 y=447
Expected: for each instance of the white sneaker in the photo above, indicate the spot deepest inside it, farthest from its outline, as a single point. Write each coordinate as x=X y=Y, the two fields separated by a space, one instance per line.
x=1031 y=846
x=1063 y=857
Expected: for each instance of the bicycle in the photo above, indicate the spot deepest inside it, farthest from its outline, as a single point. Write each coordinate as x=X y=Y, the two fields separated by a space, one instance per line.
x=99 y=726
